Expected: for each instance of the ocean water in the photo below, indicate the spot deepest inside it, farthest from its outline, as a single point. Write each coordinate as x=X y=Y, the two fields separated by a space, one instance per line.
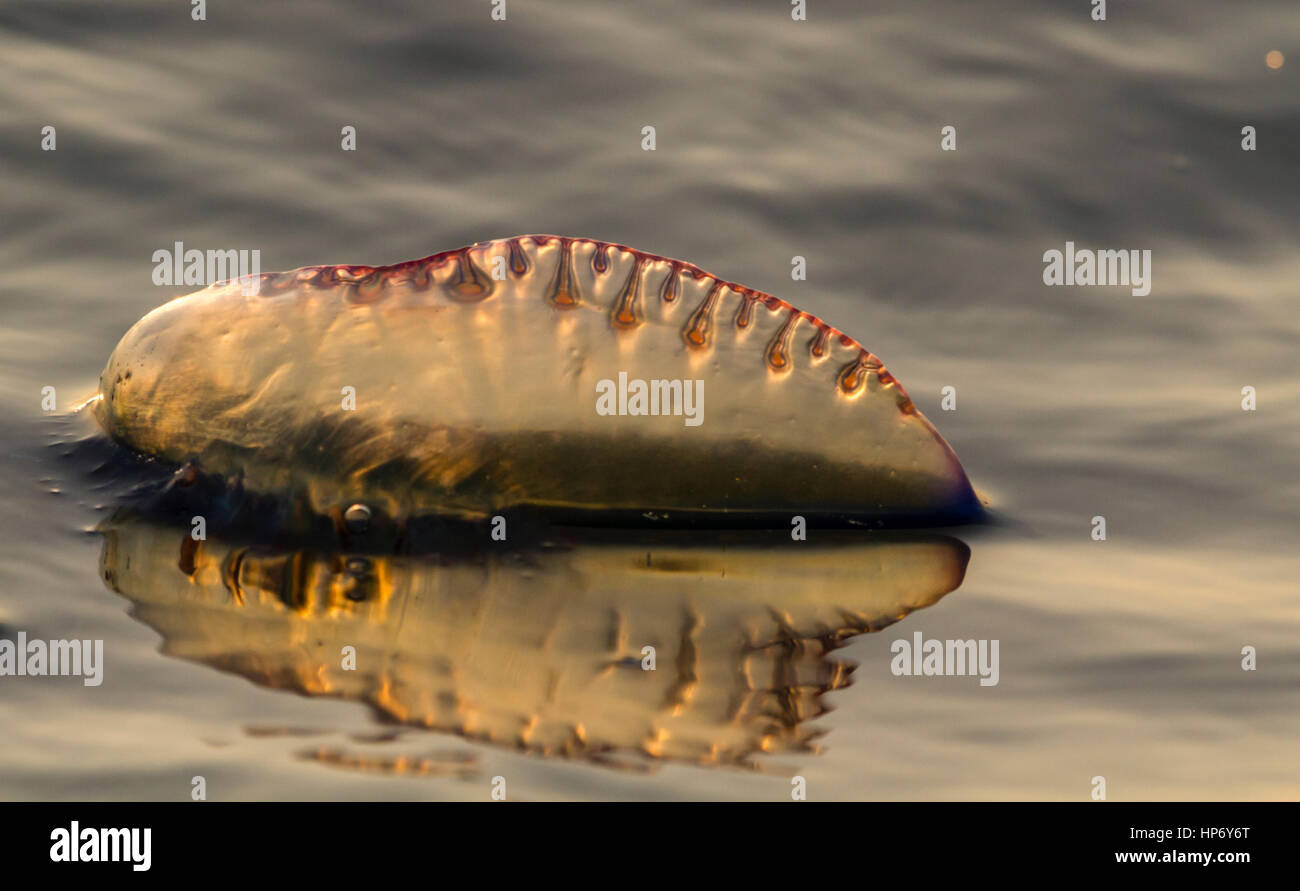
x=821 y=138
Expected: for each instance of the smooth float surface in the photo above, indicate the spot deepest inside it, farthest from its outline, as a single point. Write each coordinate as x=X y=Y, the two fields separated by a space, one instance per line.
x=559 y=373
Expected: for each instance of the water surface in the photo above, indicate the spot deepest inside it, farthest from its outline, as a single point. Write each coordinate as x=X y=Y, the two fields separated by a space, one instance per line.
x=774 y=139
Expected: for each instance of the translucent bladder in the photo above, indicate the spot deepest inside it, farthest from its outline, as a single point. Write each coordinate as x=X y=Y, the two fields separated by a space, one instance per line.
x=571 y=375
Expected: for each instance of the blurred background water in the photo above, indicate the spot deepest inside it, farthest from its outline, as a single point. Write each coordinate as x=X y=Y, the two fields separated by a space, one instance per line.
x=775 y=138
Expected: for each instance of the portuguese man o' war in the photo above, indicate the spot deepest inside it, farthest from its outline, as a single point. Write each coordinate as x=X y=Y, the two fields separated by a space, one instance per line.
x=567 y=375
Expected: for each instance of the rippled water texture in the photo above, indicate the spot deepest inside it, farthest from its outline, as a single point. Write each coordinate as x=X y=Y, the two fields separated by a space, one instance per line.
x=819 y=139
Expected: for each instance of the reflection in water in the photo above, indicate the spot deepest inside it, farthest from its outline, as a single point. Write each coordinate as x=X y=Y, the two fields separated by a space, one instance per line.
x=541 y=648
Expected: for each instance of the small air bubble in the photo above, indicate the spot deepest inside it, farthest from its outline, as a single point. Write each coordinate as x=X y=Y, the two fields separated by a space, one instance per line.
x=357 y=518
